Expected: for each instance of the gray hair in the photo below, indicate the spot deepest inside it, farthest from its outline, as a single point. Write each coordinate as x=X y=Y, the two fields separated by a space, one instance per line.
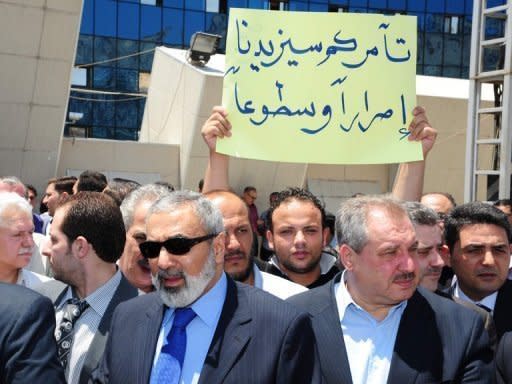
x=149 y=192
x=9 y=202
x=421 y=214
x=13 y=181
x=352 y=218
x=209 y=215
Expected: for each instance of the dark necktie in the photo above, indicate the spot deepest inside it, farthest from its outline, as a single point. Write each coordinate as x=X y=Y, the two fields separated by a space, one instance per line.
x=170 y=362
x=73 y=309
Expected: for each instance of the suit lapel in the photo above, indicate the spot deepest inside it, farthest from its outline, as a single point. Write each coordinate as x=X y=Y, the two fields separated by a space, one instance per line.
x=502 y=313
x=329 y=337
x=231 y=336
x=123 y=292
x=416 y=332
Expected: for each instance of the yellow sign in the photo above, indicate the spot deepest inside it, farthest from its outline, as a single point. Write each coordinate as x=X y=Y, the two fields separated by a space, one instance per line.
x=332 y=88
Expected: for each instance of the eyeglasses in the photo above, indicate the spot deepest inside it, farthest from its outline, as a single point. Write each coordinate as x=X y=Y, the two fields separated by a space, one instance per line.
x=177 y=245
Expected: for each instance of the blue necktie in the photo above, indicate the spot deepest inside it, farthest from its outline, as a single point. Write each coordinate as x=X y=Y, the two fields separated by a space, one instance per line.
x=170 y=362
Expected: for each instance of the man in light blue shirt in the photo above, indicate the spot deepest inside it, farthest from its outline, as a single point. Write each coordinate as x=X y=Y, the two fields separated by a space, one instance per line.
x=373 y=325
x=200 y=326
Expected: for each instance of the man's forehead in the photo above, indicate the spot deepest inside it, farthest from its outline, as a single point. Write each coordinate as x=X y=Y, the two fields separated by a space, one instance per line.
x=482 y=233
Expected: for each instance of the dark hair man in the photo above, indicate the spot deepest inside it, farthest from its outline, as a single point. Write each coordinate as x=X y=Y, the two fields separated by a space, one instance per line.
x=409 y=335
x=239 y=261
x=505 y=205
x=222 y=328
x=441 y=202
x=86 y=239
x=478 y=237
x=92 y=181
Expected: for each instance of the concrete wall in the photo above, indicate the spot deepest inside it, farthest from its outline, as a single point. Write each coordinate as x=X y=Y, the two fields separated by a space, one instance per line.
x=37 y=50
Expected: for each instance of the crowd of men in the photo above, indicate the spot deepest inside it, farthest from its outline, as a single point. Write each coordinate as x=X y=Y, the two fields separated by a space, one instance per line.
x=126 y=283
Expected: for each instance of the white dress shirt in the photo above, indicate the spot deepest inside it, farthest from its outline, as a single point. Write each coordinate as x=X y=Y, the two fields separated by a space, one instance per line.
x=276 y=285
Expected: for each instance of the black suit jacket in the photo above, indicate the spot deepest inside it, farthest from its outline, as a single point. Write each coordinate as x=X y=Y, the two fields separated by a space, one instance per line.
x=28 y=351
x=125 y=291
x=259 y=339
x=502 y=313
x=503 y=366
x=438 y=341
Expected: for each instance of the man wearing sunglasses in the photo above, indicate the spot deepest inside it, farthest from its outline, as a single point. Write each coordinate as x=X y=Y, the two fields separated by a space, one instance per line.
x=199 y=325
x=239 y=261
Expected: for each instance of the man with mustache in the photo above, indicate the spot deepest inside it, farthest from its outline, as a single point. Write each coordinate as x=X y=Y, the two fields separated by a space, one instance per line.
x=201 y=326
x=371 y=323
x=134 y=208
x=239 y=262
x=478 y=237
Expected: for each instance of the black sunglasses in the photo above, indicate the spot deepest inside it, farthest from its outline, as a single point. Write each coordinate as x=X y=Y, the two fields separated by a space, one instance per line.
x=177 y=245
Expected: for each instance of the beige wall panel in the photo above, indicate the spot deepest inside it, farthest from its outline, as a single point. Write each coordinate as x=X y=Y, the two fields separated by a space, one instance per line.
x=27 y=22
x=52 y=82
x=17 y=78
x=37 y=166
x=45 y=128
x=54 y=43
x=13 y=125
x=74 y=6
x=27 y=3
x=11 y=161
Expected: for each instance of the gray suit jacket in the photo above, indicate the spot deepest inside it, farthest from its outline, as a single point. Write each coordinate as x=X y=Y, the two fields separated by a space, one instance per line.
x=55 y=290
x=259 y=339
x=438 y=341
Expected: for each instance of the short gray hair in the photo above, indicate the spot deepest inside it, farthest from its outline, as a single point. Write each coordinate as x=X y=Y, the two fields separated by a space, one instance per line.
x=149 y=192
x=421 y=214
x=352 y=218
x=209 y=215
x=9 y=202
x=13 y=181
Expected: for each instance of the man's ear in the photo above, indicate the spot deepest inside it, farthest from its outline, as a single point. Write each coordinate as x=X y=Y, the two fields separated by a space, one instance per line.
x=346 y=255
x=445 y=255
x=270 y=239
x=80 y=247
x=325 y=233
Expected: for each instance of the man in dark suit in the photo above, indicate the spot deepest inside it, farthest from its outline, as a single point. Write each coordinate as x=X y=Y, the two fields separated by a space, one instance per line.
x=28 y=353
x=503 y=366
x=86 y=239
x=478 y=236
x=390 y=331
x=233 y=334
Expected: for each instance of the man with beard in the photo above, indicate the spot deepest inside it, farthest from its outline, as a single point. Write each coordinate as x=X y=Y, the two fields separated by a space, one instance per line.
x=86 y=239
x=199 y=325
x=134 y=208
x=239 y=262
x=371 y=323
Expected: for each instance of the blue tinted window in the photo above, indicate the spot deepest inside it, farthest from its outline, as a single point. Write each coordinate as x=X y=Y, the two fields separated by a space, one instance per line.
x=434 y=22
x=81 y=106
x=104 y=48
x=432 y=70
x=315 y=7
x=420 y=17
x=469 y=7
x=339 y=2
x=86 y=25
x=217 y=23
x=196 y=5
x=297 y=6
x=397 y=5
x=127 y=80
x=84 y=50
x=359 y=3
x=256 y=4
x=237 y=3
x=452 y=50
x=455 y=7
x=127 y=114
x=173 y=3
x=151 y=23
x=451 y=71
x=105 y=18
x=194 y=22
x=416 y=5
x=146 y=59
x=126 y=134
x=127 y=48
x=104 y=110
x=433 y=49
x=421 y=44
x=128 y=21
x=378 y=4
x=435 y=5
x=104 y=78
x=172 y=30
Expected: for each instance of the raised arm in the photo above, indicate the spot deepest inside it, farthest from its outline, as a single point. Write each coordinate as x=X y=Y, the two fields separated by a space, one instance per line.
x=409 y=180
x=217 y=126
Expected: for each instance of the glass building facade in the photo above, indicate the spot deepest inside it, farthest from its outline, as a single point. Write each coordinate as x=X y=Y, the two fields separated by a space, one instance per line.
x=118 y=37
